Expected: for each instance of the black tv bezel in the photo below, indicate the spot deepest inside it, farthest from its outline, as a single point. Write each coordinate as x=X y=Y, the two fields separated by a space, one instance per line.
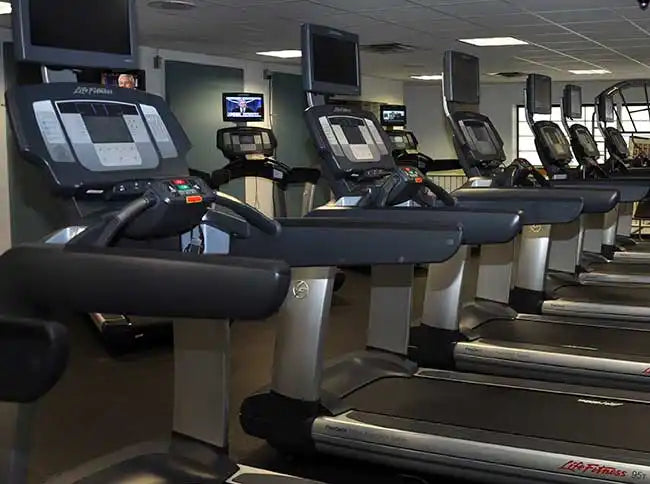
x=259 y=119
x=312 y=85
x=53 y=56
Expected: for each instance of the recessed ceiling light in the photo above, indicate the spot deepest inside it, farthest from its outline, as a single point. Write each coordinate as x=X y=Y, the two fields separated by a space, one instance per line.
x=5 y=8
x=590 y=71
x=428 y=77
x=494 y=41
x=172 y=4
x=282 y=54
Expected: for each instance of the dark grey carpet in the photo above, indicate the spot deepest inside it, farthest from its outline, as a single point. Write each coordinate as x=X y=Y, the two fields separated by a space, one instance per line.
x=103 y=403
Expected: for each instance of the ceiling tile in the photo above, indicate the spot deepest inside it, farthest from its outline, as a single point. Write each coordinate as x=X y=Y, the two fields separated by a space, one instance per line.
x=476 y=9
x=407 y=15
x=571 y=16
x=556 y=5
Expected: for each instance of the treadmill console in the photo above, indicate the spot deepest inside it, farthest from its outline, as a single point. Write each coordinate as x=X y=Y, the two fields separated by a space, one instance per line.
x=97 y=141
x=354 y=149
x=176 y=206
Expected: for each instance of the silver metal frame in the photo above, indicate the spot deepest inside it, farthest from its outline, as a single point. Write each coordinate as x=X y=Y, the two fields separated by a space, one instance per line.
x=300 y=336
x=566 y=246
x=495 y=272
x=533 y=248
x=391 y=299
x=441 y=308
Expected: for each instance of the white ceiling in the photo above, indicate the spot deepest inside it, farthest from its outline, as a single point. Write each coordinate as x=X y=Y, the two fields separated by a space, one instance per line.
x=562 y=34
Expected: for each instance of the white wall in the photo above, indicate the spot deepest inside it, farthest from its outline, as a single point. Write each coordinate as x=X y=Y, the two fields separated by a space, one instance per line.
x=498 y=101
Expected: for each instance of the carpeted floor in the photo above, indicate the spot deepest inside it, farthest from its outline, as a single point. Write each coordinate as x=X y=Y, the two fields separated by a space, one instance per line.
x=103 y=404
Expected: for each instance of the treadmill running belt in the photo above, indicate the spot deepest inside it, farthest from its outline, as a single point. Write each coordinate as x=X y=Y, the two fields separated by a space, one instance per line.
x=595 y=340
x=571 y=418
x=631 y=268
x=619 y=295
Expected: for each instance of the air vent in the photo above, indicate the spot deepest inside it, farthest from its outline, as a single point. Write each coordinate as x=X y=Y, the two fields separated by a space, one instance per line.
x=510 y=75
x=388 y=48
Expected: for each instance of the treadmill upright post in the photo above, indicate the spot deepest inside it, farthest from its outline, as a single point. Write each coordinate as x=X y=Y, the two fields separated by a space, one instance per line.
x=625 y=214
x=594 y=227
x=443 y=292
x=201 y=379
x=391 y=296
x=566 y=246
x=302 y=325
x=610 y=227
x=15 y=435
x=495 y=272
x=528 y=292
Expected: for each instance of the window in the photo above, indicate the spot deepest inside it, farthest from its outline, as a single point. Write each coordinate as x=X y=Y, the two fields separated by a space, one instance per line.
x=526 y=141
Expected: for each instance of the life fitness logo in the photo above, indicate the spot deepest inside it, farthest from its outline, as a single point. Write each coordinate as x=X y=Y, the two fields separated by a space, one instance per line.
x=579 y=467
x=300 y=290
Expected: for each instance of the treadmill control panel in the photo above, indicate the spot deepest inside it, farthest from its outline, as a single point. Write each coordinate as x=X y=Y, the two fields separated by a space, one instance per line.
x=178 y=205
x=103 y=136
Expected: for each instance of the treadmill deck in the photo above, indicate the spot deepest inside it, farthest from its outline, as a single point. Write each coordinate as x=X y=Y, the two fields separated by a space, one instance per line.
x=501 y=432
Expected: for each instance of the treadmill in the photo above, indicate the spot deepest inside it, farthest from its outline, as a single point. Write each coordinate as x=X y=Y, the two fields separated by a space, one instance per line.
x=378 y=406
x=596 y=266
x=485 y=334
x=98 y=270
x=619 y=165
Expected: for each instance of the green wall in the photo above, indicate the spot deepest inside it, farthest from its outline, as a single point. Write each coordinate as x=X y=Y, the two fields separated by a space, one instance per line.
x=295 y=147
x=194 y=93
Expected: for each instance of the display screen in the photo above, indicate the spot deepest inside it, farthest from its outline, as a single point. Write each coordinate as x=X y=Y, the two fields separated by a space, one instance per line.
x=465 y=78
x=480 y=133
x=335 y=61
x=393 y=115
x=107 y=129
x=85 y=25
x=241 y=108
x=247 y=140
x=124 y=80
x=541 y=88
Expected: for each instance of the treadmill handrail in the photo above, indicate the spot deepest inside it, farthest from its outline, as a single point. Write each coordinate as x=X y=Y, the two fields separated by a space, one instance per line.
x=538 y=205
x=141 y=282
x=480 y=225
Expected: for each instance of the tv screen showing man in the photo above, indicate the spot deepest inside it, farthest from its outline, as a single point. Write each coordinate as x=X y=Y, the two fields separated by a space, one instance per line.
x=243 y=107
x=393 y=115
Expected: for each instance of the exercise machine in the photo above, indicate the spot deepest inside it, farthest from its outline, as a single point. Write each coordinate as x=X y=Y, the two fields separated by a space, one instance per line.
x=102 y=273
x=487 y=335
x=378 y=406
x=250 y=151
x=404 y=143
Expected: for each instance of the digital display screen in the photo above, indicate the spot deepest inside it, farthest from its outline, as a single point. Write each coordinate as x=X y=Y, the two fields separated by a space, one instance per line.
x=480 y=133
x=335 y=60
x=242 y=108
x=539 y=93
x=124 y=80
x=107 y=129
x=247 y=140
x=393 y=115
x=466 y=79
x=83 y=25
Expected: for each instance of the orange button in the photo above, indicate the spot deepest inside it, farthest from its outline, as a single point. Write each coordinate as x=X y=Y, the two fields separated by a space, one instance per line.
x=419 y=180
x=194 y=199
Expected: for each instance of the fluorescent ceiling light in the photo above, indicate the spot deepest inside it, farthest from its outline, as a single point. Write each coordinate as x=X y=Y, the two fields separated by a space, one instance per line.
x=282 y=54
x=590 y=71
x=428 y=77
x=494 y=41
x=5 y=8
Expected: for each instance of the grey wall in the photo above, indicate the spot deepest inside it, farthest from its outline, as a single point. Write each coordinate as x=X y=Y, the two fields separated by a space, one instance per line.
x=498 y=101
x=194 y=93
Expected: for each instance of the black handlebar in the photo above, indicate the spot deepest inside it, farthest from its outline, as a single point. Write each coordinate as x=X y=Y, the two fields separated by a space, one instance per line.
x=250 y=214
x=441 y=194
